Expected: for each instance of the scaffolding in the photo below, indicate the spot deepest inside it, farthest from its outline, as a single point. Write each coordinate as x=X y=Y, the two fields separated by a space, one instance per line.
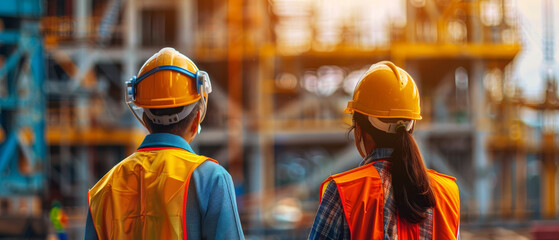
x=282 y=73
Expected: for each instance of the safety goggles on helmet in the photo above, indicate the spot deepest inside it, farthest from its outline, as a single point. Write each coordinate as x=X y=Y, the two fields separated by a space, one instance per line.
x=203 y=88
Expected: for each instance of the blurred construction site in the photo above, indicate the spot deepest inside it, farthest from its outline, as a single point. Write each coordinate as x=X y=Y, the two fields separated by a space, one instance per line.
x=282 y=72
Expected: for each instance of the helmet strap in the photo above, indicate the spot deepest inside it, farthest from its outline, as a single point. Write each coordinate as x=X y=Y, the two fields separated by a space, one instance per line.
x=391 y=127
x=204 y=103
x=170 y=119
x=137 y=112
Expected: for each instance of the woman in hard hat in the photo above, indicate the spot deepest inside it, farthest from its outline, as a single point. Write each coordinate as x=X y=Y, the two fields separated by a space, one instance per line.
x=391 y=195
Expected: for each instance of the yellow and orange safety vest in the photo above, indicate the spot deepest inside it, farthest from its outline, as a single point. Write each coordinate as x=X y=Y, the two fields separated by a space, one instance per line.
x=144 y=196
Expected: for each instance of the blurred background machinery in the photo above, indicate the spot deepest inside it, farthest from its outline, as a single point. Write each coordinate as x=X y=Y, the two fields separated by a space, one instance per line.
x=282 y=73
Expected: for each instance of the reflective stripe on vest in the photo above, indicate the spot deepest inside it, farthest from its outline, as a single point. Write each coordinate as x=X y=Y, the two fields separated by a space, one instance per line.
x=361 y=194
x=144 y=196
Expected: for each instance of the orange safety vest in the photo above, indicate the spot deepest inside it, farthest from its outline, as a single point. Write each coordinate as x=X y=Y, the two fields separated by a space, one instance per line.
x=361 y=194
x=144 y=196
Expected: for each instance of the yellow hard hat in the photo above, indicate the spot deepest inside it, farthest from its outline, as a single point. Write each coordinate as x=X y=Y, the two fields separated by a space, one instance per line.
x=386 y=91
x=168 y=79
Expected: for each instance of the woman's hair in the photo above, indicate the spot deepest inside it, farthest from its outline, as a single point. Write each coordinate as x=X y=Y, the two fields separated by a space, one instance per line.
x=410 y=183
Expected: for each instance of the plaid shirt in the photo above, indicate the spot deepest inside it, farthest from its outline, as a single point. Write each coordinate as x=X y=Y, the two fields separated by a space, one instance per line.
x=330 y=221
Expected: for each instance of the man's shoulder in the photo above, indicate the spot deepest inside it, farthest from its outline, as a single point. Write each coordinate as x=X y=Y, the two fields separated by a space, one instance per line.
x=103 y=182
x=211 y=169
x=176 y=153
x=106 y=180
x=208 y=178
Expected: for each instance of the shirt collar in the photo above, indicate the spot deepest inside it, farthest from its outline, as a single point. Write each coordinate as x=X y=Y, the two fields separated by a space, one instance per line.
x=165 y=140
x=377 y=154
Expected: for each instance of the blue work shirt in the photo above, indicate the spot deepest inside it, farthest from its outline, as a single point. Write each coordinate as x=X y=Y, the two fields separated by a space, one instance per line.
x=211 y=209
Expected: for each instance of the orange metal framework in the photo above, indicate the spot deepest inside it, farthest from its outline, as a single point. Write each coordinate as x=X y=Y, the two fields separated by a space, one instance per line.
x=235 y=38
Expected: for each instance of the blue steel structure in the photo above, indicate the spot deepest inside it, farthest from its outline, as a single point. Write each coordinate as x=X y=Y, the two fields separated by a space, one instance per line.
x=23 y=101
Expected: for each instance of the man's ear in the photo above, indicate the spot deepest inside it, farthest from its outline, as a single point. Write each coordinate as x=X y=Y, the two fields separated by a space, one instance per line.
x=145 y=119
x=195 y=123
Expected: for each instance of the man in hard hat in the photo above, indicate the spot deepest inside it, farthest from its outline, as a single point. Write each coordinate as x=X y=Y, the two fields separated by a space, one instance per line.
x=165 y=190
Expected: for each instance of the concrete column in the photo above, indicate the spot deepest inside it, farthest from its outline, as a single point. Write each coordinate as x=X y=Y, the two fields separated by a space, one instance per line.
x=81 y=17
x=131 y=35
x=481 y=165
x=187 y=25
x=521 y=179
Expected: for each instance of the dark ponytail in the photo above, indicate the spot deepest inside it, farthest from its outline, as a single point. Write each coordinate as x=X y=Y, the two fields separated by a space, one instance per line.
x=410 y=184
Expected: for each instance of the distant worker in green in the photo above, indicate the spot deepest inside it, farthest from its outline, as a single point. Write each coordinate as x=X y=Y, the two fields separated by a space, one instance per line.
x=59 y=220
x=165 y=190
x=391 y=195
